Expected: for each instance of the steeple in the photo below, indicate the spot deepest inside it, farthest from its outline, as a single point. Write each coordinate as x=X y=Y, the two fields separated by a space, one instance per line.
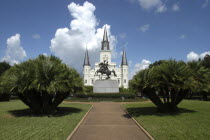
x=124 y=59
x=105 y=42
x=86 y=60
x=105 y=38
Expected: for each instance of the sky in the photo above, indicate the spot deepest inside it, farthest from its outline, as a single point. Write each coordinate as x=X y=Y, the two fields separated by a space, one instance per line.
x=149 y=30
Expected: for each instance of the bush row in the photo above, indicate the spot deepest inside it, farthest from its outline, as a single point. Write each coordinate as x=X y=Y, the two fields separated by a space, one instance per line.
x=106 y=95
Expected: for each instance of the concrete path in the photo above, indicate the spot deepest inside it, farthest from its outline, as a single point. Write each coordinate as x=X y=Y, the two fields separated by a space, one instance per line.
x=108 y=121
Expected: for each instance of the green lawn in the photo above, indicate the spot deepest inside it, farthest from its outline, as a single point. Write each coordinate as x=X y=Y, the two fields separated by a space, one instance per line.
x=192 y=123
x=15 y=122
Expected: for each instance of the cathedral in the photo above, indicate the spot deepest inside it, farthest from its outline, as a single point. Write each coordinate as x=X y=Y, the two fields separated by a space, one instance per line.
x=89 y=73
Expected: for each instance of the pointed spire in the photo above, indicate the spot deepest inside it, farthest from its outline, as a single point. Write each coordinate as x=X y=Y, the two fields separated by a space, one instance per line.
x=86 y=60
x=124 y=59
x=105 y=38
x=105 y=42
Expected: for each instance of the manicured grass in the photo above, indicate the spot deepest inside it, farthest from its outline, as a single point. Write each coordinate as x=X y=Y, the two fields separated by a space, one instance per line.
x=192 y=123
x=73 y=99
x=16 y=122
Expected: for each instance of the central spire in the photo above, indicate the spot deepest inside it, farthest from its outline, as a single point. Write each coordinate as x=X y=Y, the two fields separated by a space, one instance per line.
x=86 y=60
x=105 y=42
x=105 y=38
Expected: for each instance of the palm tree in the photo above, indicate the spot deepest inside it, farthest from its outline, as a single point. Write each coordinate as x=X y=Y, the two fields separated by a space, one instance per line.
x=169 y=79
x=200 y=82
x=42 y=83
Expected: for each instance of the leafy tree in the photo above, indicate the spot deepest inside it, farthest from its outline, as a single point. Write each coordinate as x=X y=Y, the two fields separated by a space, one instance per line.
x=169 y=80
x=3 y=67
x=42 y=83
x=206 y=61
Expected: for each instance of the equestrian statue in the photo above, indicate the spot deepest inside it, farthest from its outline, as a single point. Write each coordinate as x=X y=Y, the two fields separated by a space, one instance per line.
x=103 y=69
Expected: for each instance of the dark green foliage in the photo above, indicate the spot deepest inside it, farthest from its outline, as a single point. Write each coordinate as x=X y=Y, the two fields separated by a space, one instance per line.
x=200 y=82
x=88 y=89
x=106 y=95
x=157 y=63
x=3 y=67
x=171 y=80
x=206 y=61
x=42 y=83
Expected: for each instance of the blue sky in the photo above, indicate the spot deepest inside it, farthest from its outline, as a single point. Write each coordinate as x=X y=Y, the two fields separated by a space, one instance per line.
x=150 y=30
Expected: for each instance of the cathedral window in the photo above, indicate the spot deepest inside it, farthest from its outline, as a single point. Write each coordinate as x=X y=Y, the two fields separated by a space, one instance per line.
x=86 y=81
x=92 y=81
x=124 y=80
x=86 y=70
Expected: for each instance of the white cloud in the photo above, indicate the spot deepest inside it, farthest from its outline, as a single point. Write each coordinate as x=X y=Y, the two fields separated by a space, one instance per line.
x=205 y=4
x=204 y=54
x=153 y=4
x=175 y=7
x=144 y=28
x=36 y=36
x=140 y=66
x=192 y=56
x=69 y=43
x=183 y=36
x=15 y=52
x=148 y=4
x=161 y=9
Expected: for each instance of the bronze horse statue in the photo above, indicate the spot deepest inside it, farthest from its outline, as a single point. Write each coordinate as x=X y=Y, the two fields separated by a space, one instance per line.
x=103 y=69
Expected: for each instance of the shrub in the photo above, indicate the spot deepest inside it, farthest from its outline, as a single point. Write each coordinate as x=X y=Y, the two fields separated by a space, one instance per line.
x=42 y=83
x=106 y=95
x=88 y=89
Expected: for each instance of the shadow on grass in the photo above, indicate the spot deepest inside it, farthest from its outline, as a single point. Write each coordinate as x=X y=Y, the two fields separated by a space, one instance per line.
x=62 y=111
x=144 y=111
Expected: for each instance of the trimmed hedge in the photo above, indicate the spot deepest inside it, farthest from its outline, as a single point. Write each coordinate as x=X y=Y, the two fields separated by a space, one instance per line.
x=106 y=95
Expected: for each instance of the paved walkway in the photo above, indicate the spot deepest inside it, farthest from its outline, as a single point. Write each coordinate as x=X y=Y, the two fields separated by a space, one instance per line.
x=108 y=121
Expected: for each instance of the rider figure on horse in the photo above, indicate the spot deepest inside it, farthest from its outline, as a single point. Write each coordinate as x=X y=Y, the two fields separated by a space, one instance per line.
x=104 y=69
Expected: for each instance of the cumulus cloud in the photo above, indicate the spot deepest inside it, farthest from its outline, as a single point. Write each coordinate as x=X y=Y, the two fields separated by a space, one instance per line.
x=15 y=52
x=69 y=43
x=175 y=7
x=192 y=56
x=140 y=66
x=144 y=28
x=153 y=4
x=36 y=36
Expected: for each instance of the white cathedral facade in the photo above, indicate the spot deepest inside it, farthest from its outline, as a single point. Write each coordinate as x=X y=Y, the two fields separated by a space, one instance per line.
x=89 y=73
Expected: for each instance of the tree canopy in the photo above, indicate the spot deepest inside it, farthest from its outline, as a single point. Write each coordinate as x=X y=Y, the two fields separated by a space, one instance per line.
x=42 y=83
x=171 y=80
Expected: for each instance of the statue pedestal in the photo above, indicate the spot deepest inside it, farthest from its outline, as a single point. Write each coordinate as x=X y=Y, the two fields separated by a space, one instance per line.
x=106 y=86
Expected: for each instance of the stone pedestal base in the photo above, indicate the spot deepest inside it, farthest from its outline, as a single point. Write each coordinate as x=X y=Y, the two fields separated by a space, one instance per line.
x=106 y=86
